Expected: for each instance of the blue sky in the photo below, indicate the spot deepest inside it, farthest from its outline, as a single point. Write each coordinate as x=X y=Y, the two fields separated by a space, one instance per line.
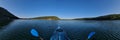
x=61 y=8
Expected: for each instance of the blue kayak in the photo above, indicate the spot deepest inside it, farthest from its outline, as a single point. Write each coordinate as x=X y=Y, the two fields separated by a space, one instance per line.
x=59 y=34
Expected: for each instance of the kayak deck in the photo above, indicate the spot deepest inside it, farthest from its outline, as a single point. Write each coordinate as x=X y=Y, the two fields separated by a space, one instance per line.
x=59 y=34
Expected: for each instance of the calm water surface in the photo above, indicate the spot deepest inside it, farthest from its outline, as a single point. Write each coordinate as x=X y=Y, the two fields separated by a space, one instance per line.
x=75 y=30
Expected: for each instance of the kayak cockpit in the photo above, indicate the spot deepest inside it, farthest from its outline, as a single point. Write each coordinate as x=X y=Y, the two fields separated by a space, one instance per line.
x=59 y=34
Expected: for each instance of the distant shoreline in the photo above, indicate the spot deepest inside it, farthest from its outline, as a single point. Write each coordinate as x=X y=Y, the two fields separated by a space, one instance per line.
x=105 y=17
x=6 y=15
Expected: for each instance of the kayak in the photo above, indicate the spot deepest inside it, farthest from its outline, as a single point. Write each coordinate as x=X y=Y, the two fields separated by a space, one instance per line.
x=59 y=34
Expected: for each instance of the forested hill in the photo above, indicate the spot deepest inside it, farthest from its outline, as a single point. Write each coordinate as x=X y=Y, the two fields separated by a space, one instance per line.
x=47 y=18
x=105 y=17
x=4 y=14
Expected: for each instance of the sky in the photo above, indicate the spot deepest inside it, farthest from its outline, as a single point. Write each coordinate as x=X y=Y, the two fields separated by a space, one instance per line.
x=61 y=8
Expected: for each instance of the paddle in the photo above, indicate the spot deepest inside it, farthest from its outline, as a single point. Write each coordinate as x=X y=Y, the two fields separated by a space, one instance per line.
x=35 y=33
x=90 y=35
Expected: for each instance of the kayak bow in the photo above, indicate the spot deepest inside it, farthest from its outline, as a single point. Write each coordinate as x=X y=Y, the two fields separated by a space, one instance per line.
x=59 y=34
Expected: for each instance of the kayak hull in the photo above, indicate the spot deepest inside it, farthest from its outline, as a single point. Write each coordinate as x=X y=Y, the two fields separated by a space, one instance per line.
x=59 y=34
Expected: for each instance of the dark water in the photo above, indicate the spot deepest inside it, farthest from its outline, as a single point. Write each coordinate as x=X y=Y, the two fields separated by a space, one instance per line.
x=76 y=30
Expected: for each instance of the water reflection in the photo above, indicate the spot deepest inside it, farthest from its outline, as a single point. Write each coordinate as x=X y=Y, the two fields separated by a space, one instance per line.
x=76 y=30
x=4 y=22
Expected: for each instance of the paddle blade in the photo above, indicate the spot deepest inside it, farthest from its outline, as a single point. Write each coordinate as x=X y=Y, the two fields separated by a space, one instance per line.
x=34 y=32
x=91 y=34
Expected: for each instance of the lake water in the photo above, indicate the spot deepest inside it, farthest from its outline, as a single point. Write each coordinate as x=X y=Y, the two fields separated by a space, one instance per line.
x=75 y=29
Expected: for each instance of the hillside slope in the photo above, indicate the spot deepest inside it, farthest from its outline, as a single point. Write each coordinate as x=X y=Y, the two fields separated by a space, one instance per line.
x=105 y=17
x=6 y=17
x=47 y=18
x=4 y=14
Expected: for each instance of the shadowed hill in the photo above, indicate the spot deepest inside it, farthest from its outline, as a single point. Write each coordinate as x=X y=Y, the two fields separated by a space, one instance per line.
x=6 y=17
x=106 y=17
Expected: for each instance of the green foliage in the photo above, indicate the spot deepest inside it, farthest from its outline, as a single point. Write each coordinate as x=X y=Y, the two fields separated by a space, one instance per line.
x=47 y=18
